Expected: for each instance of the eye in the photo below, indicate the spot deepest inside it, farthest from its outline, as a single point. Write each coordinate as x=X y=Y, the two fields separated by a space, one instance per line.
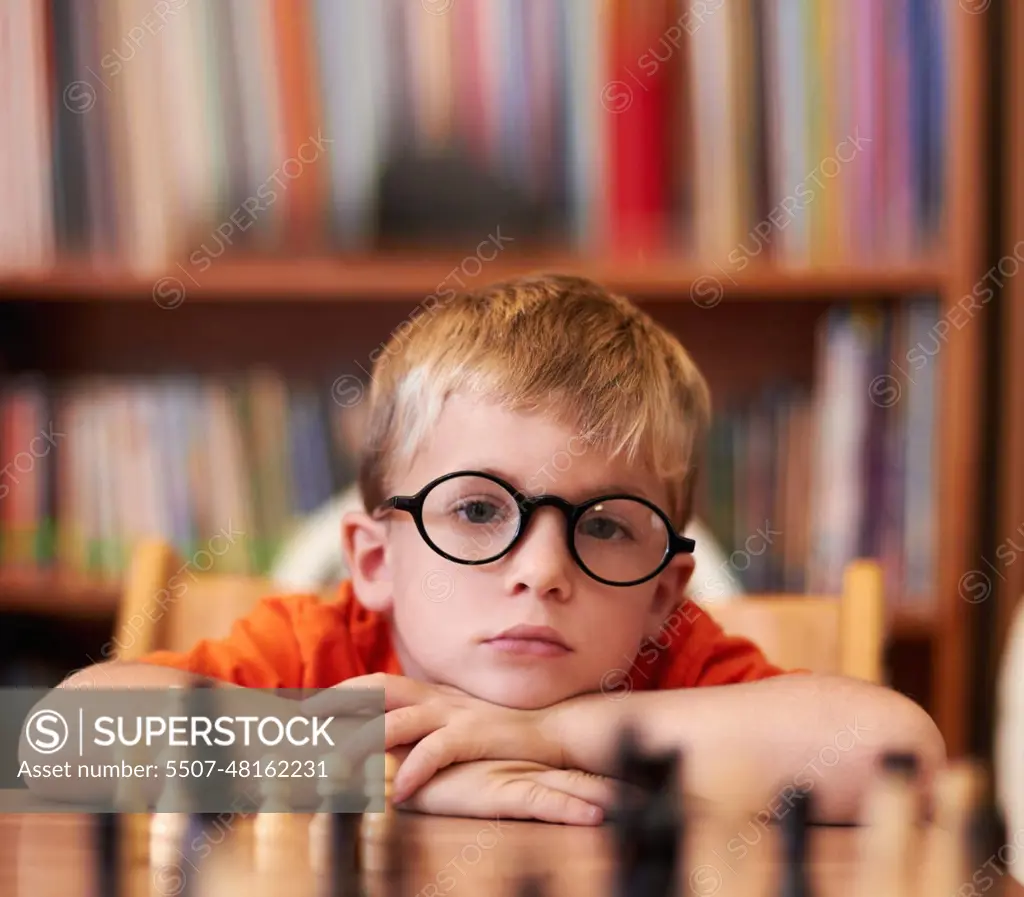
x=478 y=511
x=604 y=528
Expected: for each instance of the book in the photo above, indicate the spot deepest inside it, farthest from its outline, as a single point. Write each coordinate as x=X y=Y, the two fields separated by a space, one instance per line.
x=739 y=132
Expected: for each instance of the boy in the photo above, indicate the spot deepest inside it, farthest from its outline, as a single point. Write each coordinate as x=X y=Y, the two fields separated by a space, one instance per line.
x=515 y=637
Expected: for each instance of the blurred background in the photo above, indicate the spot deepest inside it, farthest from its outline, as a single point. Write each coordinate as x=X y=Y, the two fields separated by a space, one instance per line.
x=217 y=211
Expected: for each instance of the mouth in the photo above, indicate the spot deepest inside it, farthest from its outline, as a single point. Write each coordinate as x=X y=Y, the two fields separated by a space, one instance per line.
x=537 y=641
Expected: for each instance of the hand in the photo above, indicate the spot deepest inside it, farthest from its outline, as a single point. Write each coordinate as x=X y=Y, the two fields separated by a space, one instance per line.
x=448 y=726
x=515 y=790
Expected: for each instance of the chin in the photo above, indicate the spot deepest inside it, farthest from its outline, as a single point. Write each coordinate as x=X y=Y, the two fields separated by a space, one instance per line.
x=521 y=694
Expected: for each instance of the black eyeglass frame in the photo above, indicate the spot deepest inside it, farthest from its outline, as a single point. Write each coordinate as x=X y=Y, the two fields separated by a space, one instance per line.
x=528 y=505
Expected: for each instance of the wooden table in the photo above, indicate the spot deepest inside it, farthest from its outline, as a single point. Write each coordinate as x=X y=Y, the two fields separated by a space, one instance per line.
x=44 y=855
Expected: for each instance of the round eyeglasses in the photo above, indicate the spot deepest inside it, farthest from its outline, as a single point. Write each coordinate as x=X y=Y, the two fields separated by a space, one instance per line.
x=471 y=517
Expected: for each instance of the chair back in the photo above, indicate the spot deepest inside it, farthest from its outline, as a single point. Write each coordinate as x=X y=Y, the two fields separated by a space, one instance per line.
x=170 y=605
x=842 y=634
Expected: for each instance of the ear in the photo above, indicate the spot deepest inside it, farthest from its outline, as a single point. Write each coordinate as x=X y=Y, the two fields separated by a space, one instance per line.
x=668 y=593
x=364 y=543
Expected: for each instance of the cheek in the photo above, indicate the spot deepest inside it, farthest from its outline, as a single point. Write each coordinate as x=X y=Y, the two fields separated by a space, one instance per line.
x=429 y=591
x=617 y=619
x=414 y=565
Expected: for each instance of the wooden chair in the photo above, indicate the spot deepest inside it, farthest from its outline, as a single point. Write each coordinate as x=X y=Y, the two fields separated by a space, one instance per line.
x=167 y=605
x=841 y=635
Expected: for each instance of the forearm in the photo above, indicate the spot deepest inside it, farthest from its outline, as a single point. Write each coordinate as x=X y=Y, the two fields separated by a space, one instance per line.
x=116 y=674
x=809 y=732
x=139 y=696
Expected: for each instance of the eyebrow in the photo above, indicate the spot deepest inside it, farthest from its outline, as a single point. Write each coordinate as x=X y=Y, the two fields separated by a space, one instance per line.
x=602 y=489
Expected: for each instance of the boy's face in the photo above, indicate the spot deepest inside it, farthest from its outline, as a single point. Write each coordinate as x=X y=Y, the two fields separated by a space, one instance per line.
x=448 y=617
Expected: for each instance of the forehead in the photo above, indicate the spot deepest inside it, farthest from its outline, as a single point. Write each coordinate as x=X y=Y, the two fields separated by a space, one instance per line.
x=531 y=450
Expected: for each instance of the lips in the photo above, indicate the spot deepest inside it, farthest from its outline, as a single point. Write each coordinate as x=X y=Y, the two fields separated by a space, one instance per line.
x=539 y=641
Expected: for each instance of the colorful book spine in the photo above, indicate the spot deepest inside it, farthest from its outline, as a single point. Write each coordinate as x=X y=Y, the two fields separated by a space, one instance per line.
x=91 y=467
x=788 y=132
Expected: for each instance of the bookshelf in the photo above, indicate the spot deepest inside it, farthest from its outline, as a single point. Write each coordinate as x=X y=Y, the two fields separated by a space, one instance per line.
x=1000 y=550
x=401 y=277
x=63 y=595
x=78 y=320
x=1011 y=373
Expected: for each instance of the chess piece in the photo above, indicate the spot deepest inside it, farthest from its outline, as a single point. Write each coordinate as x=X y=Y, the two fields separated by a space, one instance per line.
x=343 y=859
x=532 y=886
x=226 y=862
x=334 y=830
x=377 y=827
x=131 y=799
x=276 y=790
x=277 y=833
x=949 y=863
x=211 y=794
x=340 y=796
x=175 y=796
x=732 y=801
x=130 y=795
x=108 y=871
x=794 y=831
x=169 y=824
x=167 y=833
x=890 y=839
x=648 y=820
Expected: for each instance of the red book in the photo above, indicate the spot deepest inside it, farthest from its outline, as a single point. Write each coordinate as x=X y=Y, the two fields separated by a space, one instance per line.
x=300 y=179
x=637 y=99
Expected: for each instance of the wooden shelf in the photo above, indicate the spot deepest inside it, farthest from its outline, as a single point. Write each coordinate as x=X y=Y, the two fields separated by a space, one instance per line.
x=401 y=276
x=57 y=594
x=912 y=625
x=72 y=595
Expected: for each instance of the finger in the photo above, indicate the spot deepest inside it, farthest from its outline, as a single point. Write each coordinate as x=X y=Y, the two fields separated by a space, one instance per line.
x=345 y=703
x=516 y=799
x=367 y=691
x=370 y=680
x=407 y=725
x=398 y=728
x=597 y=790
x=337 y=701
x=364 y=742
x=433 y=753
x=539 y=801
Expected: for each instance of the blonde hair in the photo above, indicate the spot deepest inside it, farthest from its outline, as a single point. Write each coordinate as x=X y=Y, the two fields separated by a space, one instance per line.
x=564 y=346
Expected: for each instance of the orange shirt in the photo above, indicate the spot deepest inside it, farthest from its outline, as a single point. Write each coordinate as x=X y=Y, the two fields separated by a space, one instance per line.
x=301 y=641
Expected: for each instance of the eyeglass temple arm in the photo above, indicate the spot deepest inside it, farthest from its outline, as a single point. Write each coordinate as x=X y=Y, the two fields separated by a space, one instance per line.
x=396 y=502
x=384 y=506
x=683 y=543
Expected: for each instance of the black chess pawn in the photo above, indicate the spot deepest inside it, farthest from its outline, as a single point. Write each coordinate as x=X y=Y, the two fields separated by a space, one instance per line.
x=986 y=833
x=532 y=886
x=652 y=849
x=793 y=831
x=648 y=821
x=646 y=770
x=904 y=763
x=343 y=862
x=107 y=832
x=211 y=794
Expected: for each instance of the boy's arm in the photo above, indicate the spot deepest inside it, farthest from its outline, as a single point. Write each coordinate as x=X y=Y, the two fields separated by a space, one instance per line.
x=262 y=650
x=117 y=674
x=805 y=732
x=111 y=674
x=808 y=732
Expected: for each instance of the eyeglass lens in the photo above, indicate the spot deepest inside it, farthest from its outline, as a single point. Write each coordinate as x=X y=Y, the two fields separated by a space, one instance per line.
x=475 y=519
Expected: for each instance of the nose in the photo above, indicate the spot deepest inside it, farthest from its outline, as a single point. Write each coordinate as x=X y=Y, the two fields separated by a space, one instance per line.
x=541 y=562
